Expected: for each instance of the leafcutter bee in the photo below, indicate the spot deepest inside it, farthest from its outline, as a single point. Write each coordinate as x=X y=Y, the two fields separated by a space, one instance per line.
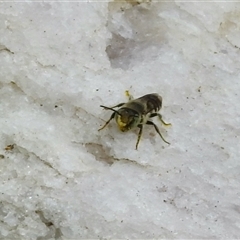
x=136 y=113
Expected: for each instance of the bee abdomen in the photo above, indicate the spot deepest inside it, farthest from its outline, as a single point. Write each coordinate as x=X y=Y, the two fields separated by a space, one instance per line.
x=154 y=102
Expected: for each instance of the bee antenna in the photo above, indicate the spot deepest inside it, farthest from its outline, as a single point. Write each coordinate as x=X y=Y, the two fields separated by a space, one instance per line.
x=108 y=108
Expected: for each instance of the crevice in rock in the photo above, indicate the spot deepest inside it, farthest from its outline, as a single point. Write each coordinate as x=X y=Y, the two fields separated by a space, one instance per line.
x=133 y=31
x=99 y=153
x=4 y=48
x=53 y=230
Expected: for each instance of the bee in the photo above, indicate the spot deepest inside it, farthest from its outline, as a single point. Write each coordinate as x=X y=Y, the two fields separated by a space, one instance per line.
x=136 y=113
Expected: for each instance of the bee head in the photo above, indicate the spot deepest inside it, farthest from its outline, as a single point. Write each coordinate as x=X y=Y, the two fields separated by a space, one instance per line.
x=127 y=119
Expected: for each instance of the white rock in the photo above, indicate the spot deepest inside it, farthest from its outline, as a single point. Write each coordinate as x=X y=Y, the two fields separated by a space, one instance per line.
x=65 y=180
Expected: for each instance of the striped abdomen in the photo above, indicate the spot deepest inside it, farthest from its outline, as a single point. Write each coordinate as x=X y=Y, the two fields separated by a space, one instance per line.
x=152 y=102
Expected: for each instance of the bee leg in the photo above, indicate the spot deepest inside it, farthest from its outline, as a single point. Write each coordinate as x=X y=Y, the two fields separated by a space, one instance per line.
x=139 y=134
x=157 y=130
x=160 y=118
x=130 y=97
x=112 y=116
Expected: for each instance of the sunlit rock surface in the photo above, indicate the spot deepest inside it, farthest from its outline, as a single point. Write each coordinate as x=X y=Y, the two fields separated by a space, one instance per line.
x=63 y=179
